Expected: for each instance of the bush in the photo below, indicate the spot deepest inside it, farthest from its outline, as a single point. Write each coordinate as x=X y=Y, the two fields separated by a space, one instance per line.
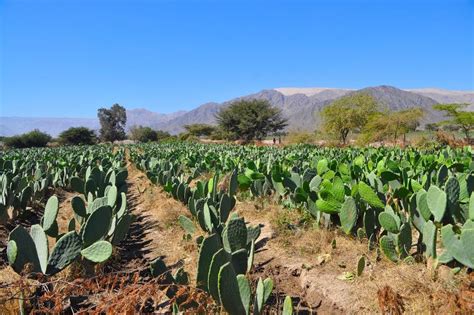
x=77 y=136
x=30 y=139
x=147 y=134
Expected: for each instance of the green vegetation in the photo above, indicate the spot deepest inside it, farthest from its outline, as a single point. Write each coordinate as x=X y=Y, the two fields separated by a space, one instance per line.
x=348 y=114
x=250 y=119
x=30 y=139
x=147 y=134
x=459 y=118
x=112 y=123
x=77 y=136
x=200 y=130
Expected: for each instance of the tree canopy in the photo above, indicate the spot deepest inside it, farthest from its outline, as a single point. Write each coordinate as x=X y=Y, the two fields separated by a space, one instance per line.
x=112 y=123
x=388 y=124
x=30 y=139
x=147 y=134
x=348 y=113
x=77 y=136
x=200 y=130
x=458 y=117
x=250 y=119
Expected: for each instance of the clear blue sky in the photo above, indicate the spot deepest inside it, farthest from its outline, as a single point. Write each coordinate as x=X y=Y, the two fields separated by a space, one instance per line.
x=68 y=58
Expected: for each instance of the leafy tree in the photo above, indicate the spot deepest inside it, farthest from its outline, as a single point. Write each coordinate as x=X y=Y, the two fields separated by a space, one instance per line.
x=147 y=134
x=200 y=130
x=162 y=135
x=77 y=136
x=348 y=113
x=112 y=123
x=389 y=124
x=30 y=139
x=458 y=117
x=142 y=134
x=250 y=119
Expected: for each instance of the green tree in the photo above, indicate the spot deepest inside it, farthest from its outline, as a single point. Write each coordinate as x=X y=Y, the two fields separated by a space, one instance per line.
x=77 y=136
x=458 y=117
x=112 y=123
x=250 y=119
x=142 y=134
x=30 y=139
x=348 y=113
x=381 y=126
x=200 y=130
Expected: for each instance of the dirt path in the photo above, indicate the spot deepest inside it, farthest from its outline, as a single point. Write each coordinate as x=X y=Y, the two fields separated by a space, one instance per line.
x=157 y=224
x=304 y=263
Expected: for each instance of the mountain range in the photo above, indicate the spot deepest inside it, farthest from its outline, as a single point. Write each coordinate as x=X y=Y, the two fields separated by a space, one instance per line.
x=301 y=106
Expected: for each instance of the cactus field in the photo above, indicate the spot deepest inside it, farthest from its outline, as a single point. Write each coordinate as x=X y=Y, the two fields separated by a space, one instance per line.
x=189 y=227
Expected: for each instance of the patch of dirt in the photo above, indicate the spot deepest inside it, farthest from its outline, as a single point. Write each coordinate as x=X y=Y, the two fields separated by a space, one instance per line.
x=158 y=213
x=304 y=263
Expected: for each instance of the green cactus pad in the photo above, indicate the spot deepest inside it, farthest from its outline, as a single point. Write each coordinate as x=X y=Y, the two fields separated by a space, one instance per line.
x=429 y=238
x=225 y=206
x=239 y=261
x=253 y=233
x=77 y=184
x=471 y=207
x=331 y=206
x=187 y=224
x=209 y=246
x=234 y=183
x=220 y=258
x=121 y=230
x=12 y=251
x=112 y=196
x=90 y=186
x=452 y=190
x=467 y=239
x=422 y=205
x=388 y=222
x=181 y=277
x=456 y=246
x=98 y=252
x=404 y=240
x=436 y=199
x=41 y=243
x=234 y=235
x=79 y=206
x=50 y=213
x=368 y=195
x=387 y=245
x=25 y=249
x=97 y=225
x=348 y=215
x=245 y=292
x=67 y=248
x=288 y=306
x=229 y=292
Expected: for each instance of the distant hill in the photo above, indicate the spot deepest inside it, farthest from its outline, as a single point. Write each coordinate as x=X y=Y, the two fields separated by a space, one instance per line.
x=300 y=105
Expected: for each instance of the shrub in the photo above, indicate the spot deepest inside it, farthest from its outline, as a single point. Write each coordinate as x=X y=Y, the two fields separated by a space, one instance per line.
x=30 y=139
x=77 y=136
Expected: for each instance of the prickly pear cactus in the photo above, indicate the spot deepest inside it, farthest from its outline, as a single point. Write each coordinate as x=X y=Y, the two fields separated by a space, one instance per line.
x=229 y=291
x=348 y=215
x=387 y=245
x=98 y=252
x=234 y=235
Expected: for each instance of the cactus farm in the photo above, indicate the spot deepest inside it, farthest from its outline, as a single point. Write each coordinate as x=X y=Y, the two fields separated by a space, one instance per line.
x=178 y=227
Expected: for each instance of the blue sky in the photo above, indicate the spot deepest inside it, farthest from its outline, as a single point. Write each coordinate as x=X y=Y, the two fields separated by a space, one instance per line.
x=68 y=58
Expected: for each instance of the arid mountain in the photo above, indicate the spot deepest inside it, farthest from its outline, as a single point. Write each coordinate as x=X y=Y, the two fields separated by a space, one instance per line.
x=300 y=105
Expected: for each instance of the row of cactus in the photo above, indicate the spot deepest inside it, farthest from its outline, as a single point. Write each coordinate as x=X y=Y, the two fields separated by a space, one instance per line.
x=26 y=175
x=98 y=224
x=382 y=194
x=226 y=255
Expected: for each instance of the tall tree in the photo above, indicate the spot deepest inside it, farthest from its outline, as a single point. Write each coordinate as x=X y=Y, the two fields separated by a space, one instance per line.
x=112 y=123
x=348 y=113
x=381 y=126
x=458 y=117
x=250 y=119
